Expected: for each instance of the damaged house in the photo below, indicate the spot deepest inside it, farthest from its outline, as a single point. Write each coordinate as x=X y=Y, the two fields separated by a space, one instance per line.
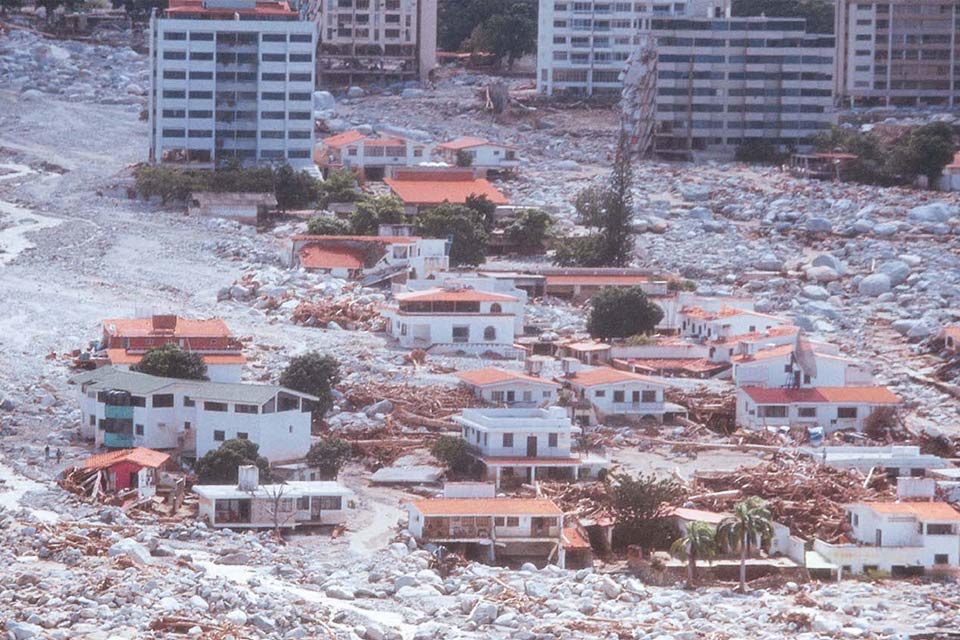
x=371 y=258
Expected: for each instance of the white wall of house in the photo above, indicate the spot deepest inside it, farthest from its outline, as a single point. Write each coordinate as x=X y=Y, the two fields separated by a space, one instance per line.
x=627 y=398
x=823 y=414
x=514 y=526
x=776 y=371
x=281 y=435
x=489 y=156
x=424 y=330
x=506 y=433
x=734 y=325
x=516 y=393
x=266 y=511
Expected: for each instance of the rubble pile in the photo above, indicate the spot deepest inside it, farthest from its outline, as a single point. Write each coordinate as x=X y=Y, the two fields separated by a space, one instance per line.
x=430 y=406
x=715 y=410
x=803 y=495
x=584 y=500
x=346 y=313
x=75 y=71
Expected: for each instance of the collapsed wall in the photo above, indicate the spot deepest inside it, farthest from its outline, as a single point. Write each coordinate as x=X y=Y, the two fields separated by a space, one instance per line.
x=639 y=96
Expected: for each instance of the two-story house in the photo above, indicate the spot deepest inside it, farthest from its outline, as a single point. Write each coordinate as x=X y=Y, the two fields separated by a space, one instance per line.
x=900 y=538
x=510 y=388
x=726 y=322
x=483 y=156
x=832 y=408
x=803 y=363
x=379 y=257
x=520 y=445
x=251 y=505
x=516 y=528
x=124 y=341
x=123 y=409
x=371 y=156
x=454 y=318
x=604 y=391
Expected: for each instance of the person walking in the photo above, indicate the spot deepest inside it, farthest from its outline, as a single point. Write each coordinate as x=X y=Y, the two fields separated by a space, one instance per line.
x=59 y=455
x=46 y=452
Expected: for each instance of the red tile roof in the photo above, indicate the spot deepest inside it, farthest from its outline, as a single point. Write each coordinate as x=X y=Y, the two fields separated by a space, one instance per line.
x=487 y=507
x=314 y=256
x=467 y=142
x=139 y=456
x=435 y=187
x=725 y=312
x=573 y=540
x=454 y=295
x=184 y=328
x=262 y=8
x=608 y=375
x=493 y=375
x=812 y=395
x=343 y=139
x=766 y=354
x=922 y=510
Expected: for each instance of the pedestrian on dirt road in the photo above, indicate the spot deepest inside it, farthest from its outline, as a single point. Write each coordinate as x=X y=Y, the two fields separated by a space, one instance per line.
x=46 y=452
x=59 y=456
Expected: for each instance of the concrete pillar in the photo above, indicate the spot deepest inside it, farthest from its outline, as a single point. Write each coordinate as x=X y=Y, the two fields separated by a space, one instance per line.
x=533 y=474
x=496 y=483
x=562 y=557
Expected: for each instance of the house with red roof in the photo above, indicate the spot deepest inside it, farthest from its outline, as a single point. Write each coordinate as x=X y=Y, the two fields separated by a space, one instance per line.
x=124 y=341
x=125 y=469
x=454 y=317
x=726 y=323
x=421 y=189
x=355 y=257
x=371 y=156
x=832 y=408
x=483 y=156
x=491 y=528
x=509 y=388
x=899 y=538
x=602 y=392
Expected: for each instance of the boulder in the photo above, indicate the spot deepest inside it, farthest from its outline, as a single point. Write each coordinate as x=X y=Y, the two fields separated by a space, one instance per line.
x=355 y=92
x=933 y=212
x=695 y=192
x=412 y=93
x=819 y=225
x=132 y=549
x=339 y=592
x=814 y=292
x=769 y=262
x=484 y=613
x=828 y=260
x=874 y=285
x=567 y=165
x=23 y=630
x=237 y=617
x=885 y=228
x=897 y=270
x=323 y=101
x=822 y=274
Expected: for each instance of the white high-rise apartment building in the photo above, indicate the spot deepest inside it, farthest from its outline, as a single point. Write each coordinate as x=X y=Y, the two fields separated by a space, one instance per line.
x=232 y=81
x=583 y=45
x=375 y=40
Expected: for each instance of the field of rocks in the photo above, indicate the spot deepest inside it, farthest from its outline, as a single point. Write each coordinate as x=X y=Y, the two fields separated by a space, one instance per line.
x=869 y=268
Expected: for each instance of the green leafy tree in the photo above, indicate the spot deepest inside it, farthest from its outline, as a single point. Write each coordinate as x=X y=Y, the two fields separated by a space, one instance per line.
x=170 y=361
x=621 y=312
x=458 y=19
x=464 y=159
x=340 y=186
x=924 y=152
x=327 y=226
x=219 y=466
x=373 y=211
x=699 y=542
x=639 y=504
x=294 y=189
x=463 y=225
x=507 y=35
x=329 y=456
x=453 y=452
x=529 y=230
x=484 y=208
x=580 y=251
x=315 y=374
x=751 y=520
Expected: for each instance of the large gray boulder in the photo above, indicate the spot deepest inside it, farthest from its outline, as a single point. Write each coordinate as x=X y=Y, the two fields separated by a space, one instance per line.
x=132 y=549
x=897 y=270
x=933 y=212
x=874 y=285
x=828 y=260
x=819 y=225
x=484 y=613
x=822 y=274
x=769 y=262
x=323 y=101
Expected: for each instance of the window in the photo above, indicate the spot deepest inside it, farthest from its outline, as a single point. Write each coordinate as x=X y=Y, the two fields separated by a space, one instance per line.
x=214 y=406
x=499 y=521
x=174 y=113
x=163 y=400
x=941 y=558
x=201 y=75
x=174 y=55
x=243 y=435
x=806 y=378
x=513 y=522
x=272 y=95
x=599 y=393
x=648 y=396
x=773 y=412
x=274 y=57
x=246 y=408
x=186 y=426
x=138 y=401
x=188 y=402
x=939 y=529
x=201 y=95
x=202 y=35
x=496 y=308
x=201 y=114
x=618 y=396
x=303 y=503
x=787 y=368
x=552 y=440
x=547 y=394
x=508 y=439
x=138 y=429
x=174 y=94
x=273 y=77
x=300 y=77
x=301 y=37
x=496 y=396
x=218 y=436
x=461 y=334
x=93 y=420
x=846 y=413
x=174 y=35
x=331 y=503
x=490 y=333
x=300 y=57
x=807 y=412
x=274 y=37
x=298 y=96
x=201 y=55
x=298 y=135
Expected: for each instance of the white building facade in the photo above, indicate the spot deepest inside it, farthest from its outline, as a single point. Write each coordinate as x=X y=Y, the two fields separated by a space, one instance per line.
x=509 y=388
x=605 y=391
x=233 y=81
x=832 y=408
x=122 y=409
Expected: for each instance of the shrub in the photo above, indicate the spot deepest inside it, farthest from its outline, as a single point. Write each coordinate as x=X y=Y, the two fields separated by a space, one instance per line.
x=169 y=361
x=315 y=374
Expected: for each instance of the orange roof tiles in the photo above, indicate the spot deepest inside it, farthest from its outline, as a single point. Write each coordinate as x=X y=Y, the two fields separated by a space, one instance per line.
x=921 y=510
x=758 y=336
x=261 y=8
x=573 y=540
x=608 y=375
x=724 y=312
x=953 y=331
x=371 y=239
x=595 y=279
x=433 y=187
x=766 y=354
x=316 y=257
x=487 y=507
x=467 y=142
x=343 y=139
x=493 y=375
x=812 y=395
x=139 y=456
x=454 y=295
x=685 y=364
x=184 y=328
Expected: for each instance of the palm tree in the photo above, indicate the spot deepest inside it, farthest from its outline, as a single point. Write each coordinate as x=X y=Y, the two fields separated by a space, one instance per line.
x=751 y=520
x=699 y=542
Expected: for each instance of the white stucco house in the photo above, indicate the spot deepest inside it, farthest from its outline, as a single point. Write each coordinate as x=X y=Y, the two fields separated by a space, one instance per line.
x=606 y=391
x=510 y=388
x=523 y=444
x=454 y=319
x=726 y=322
x=807 y=365
x=900 y=538
x=123 y=409
x=483 y=154
x=251 y=505
x=832 y=408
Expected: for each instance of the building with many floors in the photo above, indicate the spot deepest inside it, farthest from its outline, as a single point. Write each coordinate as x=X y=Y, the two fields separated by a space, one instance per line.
x=898 y=53
x=232 y=81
